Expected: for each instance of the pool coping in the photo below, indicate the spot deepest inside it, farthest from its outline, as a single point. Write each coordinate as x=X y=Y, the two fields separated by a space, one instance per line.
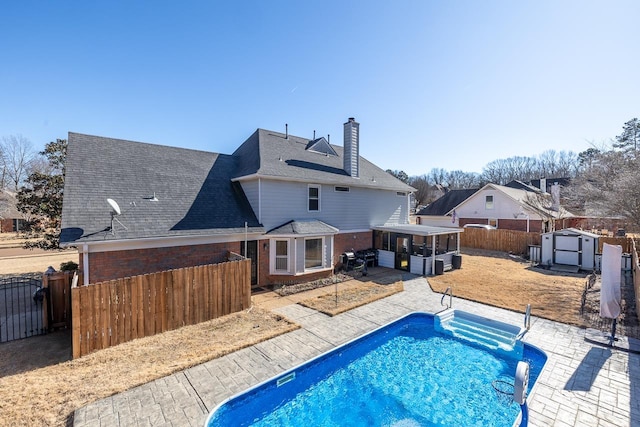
x=582 y=383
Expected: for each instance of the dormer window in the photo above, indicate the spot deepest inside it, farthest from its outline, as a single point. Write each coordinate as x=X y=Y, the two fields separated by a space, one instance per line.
x=321 y=146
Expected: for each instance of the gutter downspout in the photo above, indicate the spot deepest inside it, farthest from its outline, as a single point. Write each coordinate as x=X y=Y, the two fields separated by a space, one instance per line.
x=85 y=264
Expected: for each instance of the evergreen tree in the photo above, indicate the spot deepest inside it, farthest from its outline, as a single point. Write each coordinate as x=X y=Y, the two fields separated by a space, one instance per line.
x=41 y=198
x=628 y=141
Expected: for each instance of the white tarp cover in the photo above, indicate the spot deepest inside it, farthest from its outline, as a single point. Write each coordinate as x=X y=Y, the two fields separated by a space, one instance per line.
x=611 y=274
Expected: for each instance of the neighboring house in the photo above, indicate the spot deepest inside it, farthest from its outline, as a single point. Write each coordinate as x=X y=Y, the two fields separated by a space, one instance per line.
x=291 y=204
x=440 y=212
x=542 y=184
x=10 y=218
x=511 y=208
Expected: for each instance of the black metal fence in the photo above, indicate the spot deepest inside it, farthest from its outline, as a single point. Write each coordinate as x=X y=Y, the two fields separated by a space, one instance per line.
x=21 y=308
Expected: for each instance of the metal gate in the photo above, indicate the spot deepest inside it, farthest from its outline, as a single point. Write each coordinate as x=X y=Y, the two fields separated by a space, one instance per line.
x=21 y=312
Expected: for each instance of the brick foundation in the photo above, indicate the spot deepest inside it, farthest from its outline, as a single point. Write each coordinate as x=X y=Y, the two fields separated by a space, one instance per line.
x=117 y=264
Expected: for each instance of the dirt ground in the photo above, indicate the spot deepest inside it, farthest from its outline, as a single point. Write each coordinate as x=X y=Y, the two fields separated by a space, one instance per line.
x=495 y=278
x=40 y=385
x=502 y=280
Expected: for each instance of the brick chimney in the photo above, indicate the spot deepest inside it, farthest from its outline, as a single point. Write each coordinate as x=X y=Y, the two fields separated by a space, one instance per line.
x=351 y=163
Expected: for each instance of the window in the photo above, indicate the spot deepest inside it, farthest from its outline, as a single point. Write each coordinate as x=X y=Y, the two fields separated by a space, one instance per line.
x=282 y=255
x=488 y=202
x=314 y=198
x=312 y=253
x=401 y=193
x=343 y=189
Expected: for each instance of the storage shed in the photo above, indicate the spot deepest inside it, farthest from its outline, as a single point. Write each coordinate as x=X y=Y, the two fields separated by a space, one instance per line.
x=570 y=247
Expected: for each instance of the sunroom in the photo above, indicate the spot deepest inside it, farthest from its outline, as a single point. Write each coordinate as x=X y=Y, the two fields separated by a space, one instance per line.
x=418 y=249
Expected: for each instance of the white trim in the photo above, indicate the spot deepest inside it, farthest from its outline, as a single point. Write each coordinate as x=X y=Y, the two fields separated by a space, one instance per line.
x=260 y=200
x=319 y=187
x=322 y=252
x=85 y=264
x=323 y=182
x=356 y=230
x=164 y=242
x=488 y=207
x=274 y=256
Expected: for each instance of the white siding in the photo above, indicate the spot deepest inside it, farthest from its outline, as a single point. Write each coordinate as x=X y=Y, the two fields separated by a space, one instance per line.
x=386 y=259
x=503 y=206
x=251 y=190
x=356 y=209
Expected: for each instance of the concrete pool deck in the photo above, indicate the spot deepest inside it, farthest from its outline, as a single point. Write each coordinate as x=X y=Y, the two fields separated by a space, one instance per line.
x=582 y=384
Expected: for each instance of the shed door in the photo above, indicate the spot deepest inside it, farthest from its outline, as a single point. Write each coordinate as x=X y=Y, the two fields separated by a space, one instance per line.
x=588 y=253
x=567 y=250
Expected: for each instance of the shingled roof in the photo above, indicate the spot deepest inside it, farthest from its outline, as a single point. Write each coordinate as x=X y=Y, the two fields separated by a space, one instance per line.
x=194 y=190
x=447 y=202
x=198 y=192
x=274 y=155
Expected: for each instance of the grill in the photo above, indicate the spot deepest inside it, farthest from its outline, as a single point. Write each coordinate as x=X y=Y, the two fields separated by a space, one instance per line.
x=348 y=260
x=369 y=256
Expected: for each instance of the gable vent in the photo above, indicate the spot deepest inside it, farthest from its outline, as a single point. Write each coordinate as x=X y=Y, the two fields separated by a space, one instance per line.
x=351 y=162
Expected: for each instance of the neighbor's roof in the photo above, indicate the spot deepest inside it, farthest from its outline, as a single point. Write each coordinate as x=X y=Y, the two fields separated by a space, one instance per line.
x=194 y=190
x=8 y=203
x=268 y=154
x=528 y=199
x=445 y=204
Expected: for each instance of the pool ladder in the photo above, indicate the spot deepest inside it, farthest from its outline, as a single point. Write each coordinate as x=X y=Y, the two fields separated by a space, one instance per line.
x=449 y=291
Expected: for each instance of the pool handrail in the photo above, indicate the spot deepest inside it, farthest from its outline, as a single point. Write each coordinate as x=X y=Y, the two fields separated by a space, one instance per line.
x=449 y=290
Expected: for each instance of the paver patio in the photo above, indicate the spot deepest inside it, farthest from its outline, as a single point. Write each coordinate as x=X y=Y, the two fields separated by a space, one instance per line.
x=582 y=384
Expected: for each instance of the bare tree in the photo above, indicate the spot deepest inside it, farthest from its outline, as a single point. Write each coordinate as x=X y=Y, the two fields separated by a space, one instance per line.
x=438 y=177
x=458 y=180
x=542 y=204
x=17 y=153
x=424 y=193
x=608 y=186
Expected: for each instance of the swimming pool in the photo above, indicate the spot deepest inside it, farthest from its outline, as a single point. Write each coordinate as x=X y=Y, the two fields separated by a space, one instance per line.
x=403 y=374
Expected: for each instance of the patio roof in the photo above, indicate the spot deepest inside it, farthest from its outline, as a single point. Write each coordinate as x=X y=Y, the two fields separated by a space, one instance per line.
x=417 y=229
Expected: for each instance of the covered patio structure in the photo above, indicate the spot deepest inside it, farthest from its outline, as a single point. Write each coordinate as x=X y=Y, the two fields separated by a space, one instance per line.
x=418 y=249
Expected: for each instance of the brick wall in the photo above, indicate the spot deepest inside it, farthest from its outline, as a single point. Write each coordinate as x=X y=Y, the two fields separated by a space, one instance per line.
x=105 y=266
x=351 y=241
x=6 y=225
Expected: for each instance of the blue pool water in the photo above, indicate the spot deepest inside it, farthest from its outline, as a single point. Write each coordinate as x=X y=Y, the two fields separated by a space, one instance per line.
x=403 y=374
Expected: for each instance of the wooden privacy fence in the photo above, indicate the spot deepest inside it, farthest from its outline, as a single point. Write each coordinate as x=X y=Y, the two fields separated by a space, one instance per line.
x=57 y=310
x=110 y=313
x=499 y=240
x=625 y=242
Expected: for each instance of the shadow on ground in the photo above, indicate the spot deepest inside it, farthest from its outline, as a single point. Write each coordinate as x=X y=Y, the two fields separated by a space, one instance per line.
x=35 y=352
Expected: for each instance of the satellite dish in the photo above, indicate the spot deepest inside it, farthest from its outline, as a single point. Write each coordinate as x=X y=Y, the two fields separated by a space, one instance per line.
x=115 y=211
x=114 y=206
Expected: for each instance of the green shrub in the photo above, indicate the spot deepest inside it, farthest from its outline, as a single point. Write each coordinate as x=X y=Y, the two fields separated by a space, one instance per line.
x=68 y=266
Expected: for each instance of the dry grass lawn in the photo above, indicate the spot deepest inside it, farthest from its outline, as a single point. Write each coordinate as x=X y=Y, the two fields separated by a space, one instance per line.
x=39 y=388
x=497 y=279
x=48 y=396
x=350 y=298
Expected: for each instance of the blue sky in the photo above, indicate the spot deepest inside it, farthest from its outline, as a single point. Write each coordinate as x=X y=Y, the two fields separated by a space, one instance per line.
x=434 y=84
